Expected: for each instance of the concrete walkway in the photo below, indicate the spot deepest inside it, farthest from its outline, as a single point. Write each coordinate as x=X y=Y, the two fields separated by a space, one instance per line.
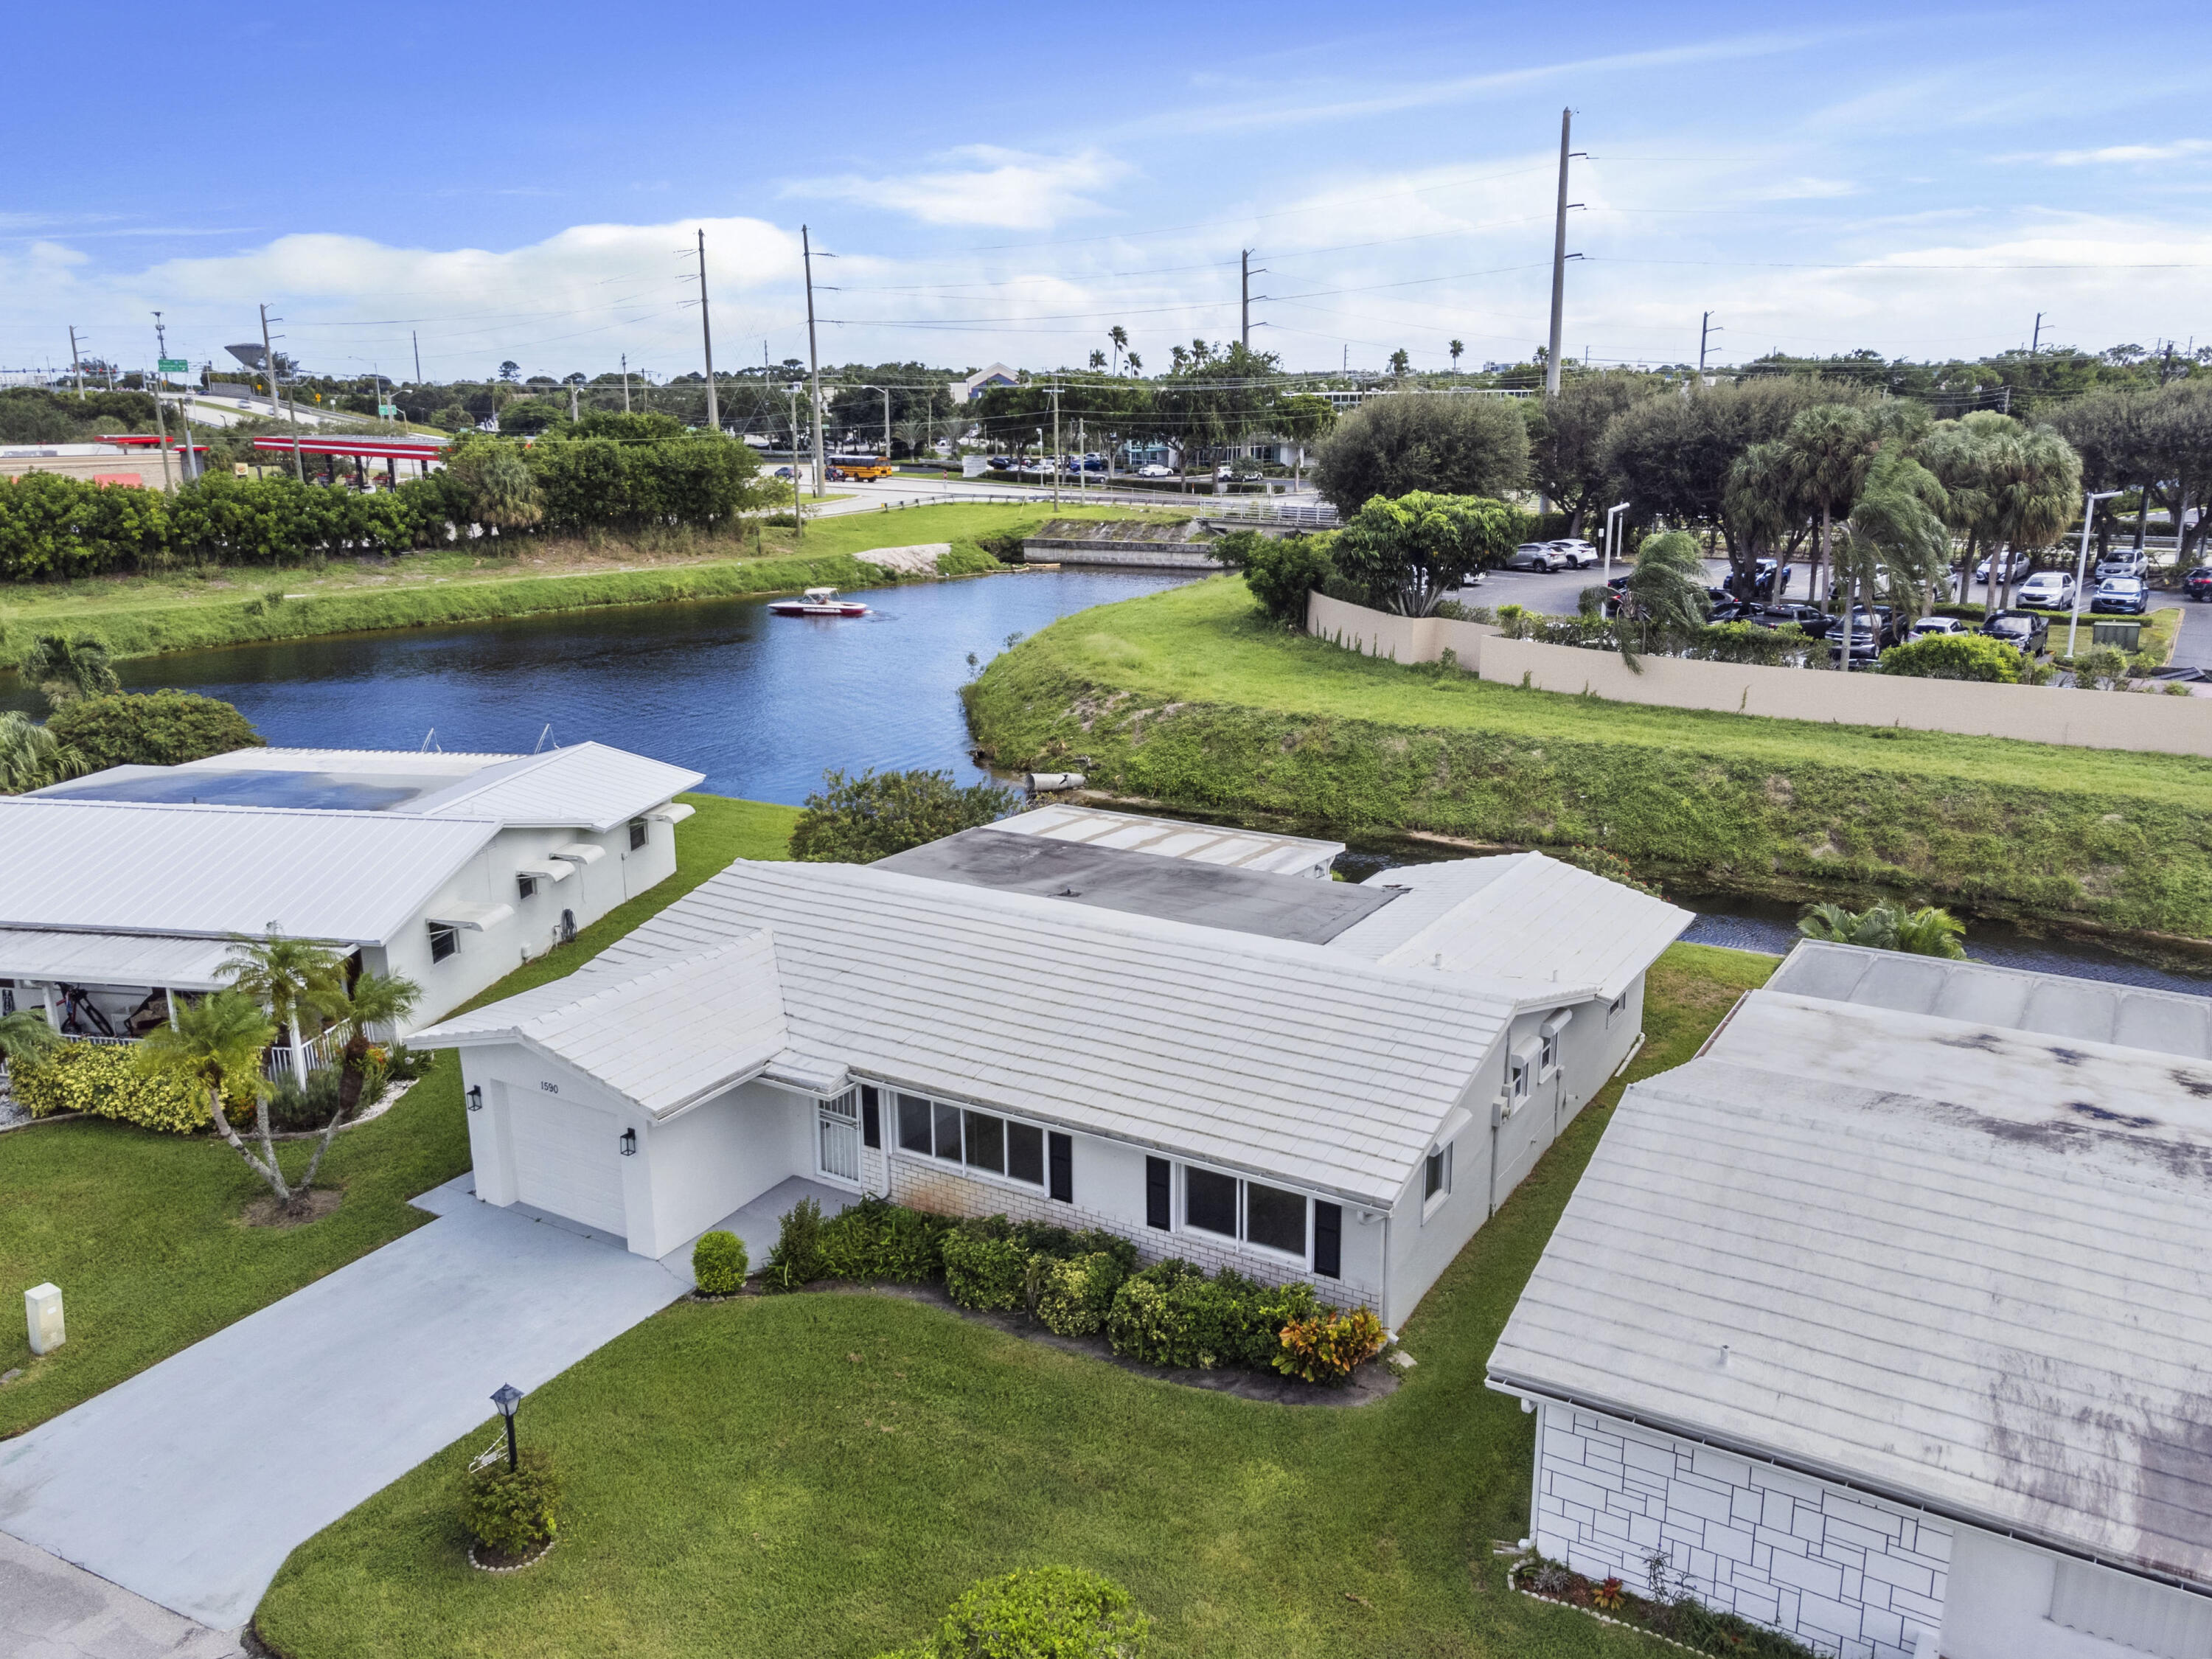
x=760 y=1222
x=51 y=1610
x=189 y=1484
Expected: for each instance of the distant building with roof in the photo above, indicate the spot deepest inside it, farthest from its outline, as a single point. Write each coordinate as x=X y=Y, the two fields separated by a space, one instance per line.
x=1885 y=1321
x=975 y=386
x=122 y=887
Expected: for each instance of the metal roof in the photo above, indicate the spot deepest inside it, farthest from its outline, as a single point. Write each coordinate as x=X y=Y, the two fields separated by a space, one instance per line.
x=2166 y=1022
x=1522 y=918
x=1201 y=843
x=636 y=1028
x=51 y=956
x=586 y=784
x=102 y=866
x=1143 y=884
x=1284 y=1059
x=1959 y=1263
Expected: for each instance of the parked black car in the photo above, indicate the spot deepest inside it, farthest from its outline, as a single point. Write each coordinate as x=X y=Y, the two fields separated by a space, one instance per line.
x=1810 y=617
x=2025 y=629
x=2197 y=583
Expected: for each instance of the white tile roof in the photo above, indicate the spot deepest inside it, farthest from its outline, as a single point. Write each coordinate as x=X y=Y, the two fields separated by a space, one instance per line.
x=1522 y=918
x=209 y=871
x=1959 y=1263
x=636 y=1026
x=2056 y=1005
x=587 y=784
x=50 y=957
x=1200 y=843
x=1278 y=1058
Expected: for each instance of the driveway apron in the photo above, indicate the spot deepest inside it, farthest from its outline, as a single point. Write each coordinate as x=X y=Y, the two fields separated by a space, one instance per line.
x=191 y=1483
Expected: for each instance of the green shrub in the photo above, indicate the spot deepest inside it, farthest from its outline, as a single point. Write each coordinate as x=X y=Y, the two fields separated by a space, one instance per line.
x=860 y=820
x=1955 y=656
x=796 y=1260
x=156 y=728
x=1327 y=1348
x=985 y=1266
x=719 y=1264
x=1279 y=572
x=875 y=1239
x=1076 y=1296
x=104 y=1079
x=512 y=1511
x=1171 y=1314
x=1040 y=1613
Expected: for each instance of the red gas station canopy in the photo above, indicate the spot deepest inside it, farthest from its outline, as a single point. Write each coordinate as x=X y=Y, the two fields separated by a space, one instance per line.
x=378 y=449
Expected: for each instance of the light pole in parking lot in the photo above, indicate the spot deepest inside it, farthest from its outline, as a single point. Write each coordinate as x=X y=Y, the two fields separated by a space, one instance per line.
x=1611 y=516
x=2082 y=560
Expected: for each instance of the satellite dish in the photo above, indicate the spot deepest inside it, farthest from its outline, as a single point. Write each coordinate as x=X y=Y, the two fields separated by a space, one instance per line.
x=250 y=354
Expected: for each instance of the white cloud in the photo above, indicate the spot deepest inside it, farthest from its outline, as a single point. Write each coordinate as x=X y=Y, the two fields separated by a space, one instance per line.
x=1801 y=189
x=1006 y=189
x=2112 y=154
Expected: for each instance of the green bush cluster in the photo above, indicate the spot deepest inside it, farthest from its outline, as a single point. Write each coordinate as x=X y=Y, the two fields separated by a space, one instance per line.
x=1735 y=642
x=860 y=820
x=1040 y=1613
x=1955 y=656
x=1281 y=572
x=151 y=728
x=1075 y=1297
x=719 y=1264
x=52 y=526
x=870 y=1241
x=104 y=1079
x=1172 y=1313
x=515 y=1511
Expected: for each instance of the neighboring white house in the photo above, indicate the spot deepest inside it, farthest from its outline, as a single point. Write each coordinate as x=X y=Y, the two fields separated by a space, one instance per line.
x=448 y=869
x=1886 y=1318
x=1297 y=1077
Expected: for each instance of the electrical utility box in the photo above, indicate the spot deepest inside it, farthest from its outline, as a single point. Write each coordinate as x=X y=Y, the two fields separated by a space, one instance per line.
x=42 y=1312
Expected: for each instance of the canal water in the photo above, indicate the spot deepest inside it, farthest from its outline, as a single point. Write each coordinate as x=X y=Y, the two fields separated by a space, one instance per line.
x=764 y=704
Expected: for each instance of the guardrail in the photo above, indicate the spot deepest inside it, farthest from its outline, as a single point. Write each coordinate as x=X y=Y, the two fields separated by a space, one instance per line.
x=1321 y=515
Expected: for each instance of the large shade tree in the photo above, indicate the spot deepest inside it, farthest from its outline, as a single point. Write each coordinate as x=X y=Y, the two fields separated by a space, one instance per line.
x=1408 y=551
x=1566 y=440
x=1434 y=443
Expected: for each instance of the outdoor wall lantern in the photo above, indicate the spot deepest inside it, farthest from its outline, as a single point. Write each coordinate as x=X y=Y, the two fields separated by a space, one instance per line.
x=506 y=1398
x=475 y=1098
x=629 y=1143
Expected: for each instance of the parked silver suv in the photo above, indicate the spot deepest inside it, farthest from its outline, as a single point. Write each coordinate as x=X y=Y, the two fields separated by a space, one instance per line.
x=2125 y=562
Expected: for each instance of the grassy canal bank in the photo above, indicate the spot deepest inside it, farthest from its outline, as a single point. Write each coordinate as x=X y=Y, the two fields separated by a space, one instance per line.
x=194 y=609
x=1189 y=698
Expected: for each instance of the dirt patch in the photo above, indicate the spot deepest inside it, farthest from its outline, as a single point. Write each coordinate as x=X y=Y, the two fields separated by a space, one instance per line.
x=265 y=1212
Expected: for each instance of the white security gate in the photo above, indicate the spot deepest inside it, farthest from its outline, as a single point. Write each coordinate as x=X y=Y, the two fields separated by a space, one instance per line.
x=567 y=1161
x=840 y=1136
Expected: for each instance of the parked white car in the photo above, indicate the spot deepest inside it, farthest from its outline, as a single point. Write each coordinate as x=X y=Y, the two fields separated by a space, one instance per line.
x=2125 y=563
x=1537 y=555
x=1154 y=469
x=1581 y=555
x=2019 y=562
x=2051 y=590
x=1928 y=626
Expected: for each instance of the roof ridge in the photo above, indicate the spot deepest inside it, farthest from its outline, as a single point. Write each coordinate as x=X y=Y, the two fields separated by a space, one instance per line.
x=352 y=815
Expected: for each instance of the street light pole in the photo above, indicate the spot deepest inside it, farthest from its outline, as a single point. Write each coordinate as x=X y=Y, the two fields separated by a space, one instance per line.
x=706 y=337
x=2081 y=562
x=886 y=391
x=1611 y=516
x=76 y=363
x=269 y=362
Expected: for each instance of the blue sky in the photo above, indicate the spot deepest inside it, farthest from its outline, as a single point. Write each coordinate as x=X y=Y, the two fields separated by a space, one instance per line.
x=1006 y=183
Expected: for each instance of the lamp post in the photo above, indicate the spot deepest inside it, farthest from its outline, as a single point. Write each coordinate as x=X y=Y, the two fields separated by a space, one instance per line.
x=1612 y=515
x=506 y=1398
x=886 y=391
x=2080 y=562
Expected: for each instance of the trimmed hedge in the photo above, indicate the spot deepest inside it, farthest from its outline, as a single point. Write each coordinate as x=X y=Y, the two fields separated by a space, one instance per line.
x=1039 y=1612
x=719 y=1264
x=104 y=1079
x=1171 y=1314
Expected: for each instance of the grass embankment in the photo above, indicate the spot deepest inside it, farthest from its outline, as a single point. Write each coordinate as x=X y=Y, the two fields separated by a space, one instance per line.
x=821 y=1474
x=1188 y=697
x=191 y=610
x=143 y=1232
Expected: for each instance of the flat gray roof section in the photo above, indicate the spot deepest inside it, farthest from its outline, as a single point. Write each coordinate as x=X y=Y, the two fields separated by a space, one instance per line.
x=2050 y=1005
x=1144 y=883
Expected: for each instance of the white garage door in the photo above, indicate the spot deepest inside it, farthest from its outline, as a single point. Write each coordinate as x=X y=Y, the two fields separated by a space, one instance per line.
x=567 y=1162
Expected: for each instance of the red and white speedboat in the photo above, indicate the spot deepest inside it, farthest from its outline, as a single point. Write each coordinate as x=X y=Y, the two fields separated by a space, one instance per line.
x=818 y=602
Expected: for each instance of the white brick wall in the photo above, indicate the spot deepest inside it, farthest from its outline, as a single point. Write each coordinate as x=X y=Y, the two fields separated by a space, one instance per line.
x=1846 y=1574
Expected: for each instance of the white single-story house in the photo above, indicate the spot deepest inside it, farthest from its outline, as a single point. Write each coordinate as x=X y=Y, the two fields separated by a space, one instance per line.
x=131 y=883
x=1247 y=1067
x=1885 y=1320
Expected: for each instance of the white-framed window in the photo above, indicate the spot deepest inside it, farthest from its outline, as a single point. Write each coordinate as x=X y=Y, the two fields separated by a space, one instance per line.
x=1547 y=1055
x=1436 y=1178
x=981 y=1141
x=444 y=941
x=838 y=1133
x=526 y=887
x=1517 y=1081
x=1251 y=1212
x=636 y=834
x=1615 y=1009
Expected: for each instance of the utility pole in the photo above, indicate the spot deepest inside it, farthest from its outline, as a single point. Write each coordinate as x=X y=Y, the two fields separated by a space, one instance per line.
x=269 y=362
x=706 y=337
x=76 y=363
x=1705 y=330
x=625 y=366
x=416 y=340
x=798 y=512
x=886 y=391
x=1055 y=446
x=1560 y=257
x=572 y=402
x=161 y=432
x=2035 y=340
x=1244 y=261
x=813 y=357
x=160 y=341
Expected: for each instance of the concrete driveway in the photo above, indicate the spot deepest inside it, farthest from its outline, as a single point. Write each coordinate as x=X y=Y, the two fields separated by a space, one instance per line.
x=189 y=1484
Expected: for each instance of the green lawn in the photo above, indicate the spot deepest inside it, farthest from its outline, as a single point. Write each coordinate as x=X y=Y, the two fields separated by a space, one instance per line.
x=141 y=1231
x=203 y=606
x=820 y=1475
x=1188 y=698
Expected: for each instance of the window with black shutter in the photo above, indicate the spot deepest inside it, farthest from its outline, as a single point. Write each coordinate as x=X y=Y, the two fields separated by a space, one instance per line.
x=871 y=1117
x=1157 y=1207
x=1329 y=1240
x=1062 y=1149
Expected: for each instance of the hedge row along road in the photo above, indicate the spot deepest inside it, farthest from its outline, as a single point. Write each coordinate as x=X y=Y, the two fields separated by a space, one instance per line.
x=195 y=609
x=1188 y=697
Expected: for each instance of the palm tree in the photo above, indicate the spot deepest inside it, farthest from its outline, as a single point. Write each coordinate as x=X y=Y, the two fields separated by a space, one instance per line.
x=1402 y=364
x=215 y=1044
x=1828 y=449
x=1896 y=537
x=1887 y=925
x=1457 y=346
x=1118 y=337
x=1136 y=364
x=376 y=999
x=31 y=756
x=286 y=977
x=1097 y=359
x=25 y=1036
x=1664 y=594
x=66 y=668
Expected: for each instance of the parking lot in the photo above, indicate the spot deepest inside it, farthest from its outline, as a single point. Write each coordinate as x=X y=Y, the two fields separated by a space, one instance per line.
x=1555 y=594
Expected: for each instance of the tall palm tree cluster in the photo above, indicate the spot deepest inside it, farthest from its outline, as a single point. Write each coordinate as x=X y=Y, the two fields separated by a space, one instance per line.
x=64 y=669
